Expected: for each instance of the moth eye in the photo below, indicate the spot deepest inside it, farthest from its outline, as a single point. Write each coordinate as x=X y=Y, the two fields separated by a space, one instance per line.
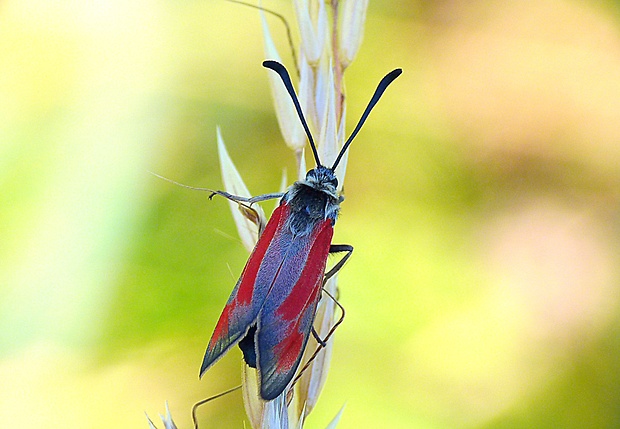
x=311 y=175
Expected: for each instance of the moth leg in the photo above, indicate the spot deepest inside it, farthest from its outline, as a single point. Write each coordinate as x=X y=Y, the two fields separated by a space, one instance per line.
x=249 y=200
x=317 y=338
x=236 y=198
x=333 y=328
x=245 y=205
x=334 y=248
x=337 y=248
x=209 y=399
x=322 y=342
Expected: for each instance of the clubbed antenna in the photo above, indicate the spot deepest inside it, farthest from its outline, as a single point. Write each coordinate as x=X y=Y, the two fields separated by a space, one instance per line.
x=281 y=70
x=385 y=82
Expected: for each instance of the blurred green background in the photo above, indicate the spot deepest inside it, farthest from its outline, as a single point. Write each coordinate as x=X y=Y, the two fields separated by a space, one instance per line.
x=482 y=200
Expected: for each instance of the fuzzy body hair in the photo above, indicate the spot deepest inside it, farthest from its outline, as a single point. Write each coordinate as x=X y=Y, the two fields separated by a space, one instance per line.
x=312 y=200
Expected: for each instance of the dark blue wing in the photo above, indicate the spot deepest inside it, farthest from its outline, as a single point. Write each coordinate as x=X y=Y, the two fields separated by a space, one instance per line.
x=249 y=294
x=285 y=320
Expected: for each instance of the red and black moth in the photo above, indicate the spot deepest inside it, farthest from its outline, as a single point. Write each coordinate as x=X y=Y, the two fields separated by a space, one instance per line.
x=271 y=310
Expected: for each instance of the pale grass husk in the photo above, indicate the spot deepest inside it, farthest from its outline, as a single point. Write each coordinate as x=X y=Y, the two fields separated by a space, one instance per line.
x=166 y=420
x=326 y=50
x=322 y=62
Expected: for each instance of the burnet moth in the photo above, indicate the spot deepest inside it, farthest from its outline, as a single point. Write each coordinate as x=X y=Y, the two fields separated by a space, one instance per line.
x=271 y=310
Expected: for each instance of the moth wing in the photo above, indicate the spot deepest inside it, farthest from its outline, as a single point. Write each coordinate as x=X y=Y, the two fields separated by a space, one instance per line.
x=285 y=320
x=249 y=294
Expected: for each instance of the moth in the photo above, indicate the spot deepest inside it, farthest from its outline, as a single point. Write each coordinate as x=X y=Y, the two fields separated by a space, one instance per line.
x=271 y=310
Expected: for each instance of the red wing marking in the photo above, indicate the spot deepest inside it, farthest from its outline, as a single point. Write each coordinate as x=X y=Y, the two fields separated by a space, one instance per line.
x=248 y=277
x=246 y=299
x=285 y=321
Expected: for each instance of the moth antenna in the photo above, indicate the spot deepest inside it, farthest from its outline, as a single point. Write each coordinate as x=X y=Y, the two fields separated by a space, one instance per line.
x=286 y=79
x=385 y=82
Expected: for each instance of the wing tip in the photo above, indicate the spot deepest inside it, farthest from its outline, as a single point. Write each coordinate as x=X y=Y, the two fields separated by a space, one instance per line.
x=273 y=383
x=212 y=355
x=206 y=364
x=270 y=395
x=270 y=390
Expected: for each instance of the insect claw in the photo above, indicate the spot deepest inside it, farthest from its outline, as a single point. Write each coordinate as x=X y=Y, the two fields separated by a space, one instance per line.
x=318 y=339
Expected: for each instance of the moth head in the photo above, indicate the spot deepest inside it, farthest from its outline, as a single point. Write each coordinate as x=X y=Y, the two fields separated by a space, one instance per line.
x=323 y=179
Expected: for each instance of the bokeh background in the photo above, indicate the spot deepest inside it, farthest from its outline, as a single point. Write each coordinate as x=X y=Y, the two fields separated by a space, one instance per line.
x=482 y=200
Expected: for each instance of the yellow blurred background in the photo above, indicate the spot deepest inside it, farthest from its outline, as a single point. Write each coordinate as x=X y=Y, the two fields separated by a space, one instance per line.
x=482 y=200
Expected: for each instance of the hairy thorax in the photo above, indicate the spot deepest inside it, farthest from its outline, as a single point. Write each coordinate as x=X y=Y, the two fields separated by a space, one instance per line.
x=309 y=207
